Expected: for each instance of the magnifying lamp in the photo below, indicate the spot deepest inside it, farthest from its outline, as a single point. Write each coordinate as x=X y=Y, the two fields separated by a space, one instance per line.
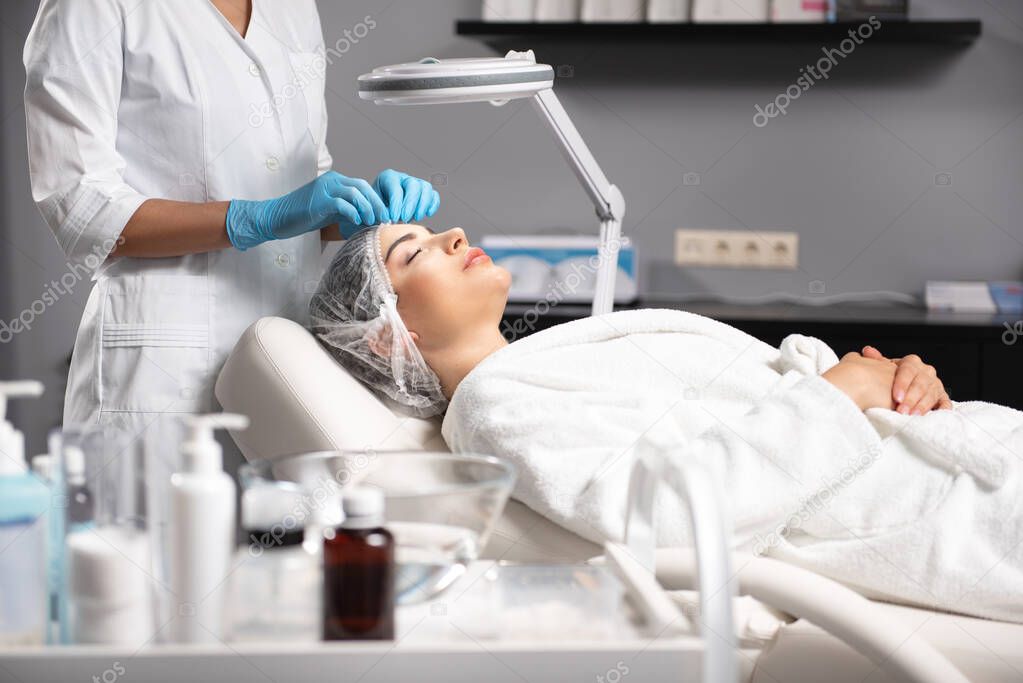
x=498 y=80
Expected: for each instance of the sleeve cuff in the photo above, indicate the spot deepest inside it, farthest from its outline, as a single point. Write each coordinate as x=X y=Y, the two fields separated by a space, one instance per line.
x=817 y=398
x=93 y=225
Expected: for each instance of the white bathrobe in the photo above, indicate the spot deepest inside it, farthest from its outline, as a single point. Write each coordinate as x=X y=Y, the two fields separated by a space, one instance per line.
x=924 y=510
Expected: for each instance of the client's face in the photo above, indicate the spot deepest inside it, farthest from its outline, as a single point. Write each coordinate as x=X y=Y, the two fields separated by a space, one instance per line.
x=445 y=287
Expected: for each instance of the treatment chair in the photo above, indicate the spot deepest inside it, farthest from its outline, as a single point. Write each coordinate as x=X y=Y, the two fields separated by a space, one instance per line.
x=300 y=400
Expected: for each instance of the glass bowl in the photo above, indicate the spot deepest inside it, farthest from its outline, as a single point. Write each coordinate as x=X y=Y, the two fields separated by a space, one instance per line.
x=440 y=507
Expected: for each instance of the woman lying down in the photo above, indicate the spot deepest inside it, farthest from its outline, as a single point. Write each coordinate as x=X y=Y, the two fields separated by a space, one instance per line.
x=860 y=469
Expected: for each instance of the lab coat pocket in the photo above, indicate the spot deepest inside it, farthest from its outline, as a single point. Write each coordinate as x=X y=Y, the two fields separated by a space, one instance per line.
x=309 y=77
x=155 y=354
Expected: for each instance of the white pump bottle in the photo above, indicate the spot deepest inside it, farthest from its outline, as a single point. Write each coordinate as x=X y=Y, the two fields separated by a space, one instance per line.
x=202 y=533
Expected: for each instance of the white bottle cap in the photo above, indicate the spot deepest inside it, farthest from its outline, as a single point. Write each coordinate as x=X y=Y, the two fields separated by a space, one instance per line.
x=12 y=442
x=42 y=465
x=363 y=507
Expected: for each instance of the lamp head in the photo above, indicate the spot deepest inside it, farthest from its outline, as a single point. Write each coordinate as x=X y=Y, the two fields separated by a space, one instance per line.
x=440 y=81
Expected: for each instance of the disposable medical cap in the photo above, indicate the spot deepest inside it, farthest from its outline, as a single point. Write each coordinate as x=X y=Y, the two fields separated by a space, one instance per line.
x=354 y=314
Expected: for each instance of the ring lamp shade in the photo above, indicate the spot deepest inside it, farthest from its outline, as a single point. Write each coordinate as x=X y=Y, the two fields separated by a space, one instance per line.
x=436 y=81
x=498 y=80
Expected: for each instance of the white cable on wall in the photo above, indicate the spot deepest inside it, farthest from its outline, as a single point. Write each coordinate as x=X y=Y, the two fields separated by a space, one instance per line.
x=785 y=297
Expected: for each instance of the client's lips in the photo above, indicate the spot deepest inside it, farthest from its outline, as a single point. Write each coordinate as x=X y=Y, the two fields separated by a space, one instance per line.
x=474 y=255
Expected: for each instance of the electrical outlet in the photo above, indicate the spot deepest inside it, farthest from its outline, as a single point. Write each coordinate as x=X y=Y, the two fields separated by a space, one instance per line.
x=737 y=249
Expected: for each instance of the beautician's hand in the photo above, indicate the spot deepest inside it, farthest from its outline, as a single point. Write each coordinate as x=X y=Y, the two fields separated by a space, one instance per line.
x=331 y=198
x=916 y=389
x=867 y=381
x=408 y=198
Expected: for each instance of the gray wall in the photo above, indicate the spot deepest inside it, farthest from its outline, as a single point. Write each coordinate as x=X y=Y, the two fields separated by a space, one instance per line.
x=852 y=167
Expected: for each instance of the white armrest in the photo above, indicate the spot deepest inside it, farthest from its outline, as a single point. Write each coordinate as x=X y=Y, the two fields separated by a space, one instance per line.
x=840 y=611
x=699 y=492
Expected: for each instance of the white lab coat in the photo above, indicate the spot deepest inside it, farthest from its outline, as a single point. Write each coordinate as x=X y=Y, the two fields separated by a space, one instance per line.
x=128 y=100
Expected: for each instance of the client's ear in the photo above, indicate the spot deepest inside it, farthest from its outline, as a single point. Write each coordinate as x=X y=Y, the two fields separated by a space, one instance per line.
x=380 y=342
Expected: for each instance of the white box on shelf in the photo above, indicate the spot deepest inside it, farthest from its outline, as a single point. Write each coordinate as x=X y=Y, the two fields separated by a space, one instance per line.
x=508 y=10
x=557 y=10
x=667 y=11
x=966 y=297
x=621 y=11
x=799 y=10
x=714 y=11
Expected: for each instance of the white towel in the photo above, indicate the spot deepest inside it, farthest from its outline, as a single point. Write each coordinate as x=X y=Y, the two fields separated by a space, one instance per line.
x=909 y=508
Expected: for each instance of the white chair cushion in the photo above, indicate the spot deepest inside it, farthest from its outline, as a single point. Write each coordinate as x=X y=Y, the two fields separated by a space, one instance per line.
x=301 y=400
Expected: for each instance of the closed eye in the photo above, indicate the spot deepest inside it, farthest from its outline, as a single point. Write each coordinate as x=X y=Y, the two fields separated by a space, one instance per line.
x=414 y=254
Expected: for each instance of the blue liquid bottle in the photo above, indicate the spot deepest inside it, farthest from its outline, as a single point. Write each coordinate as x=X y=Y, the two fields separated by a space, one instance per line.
x=24 y=527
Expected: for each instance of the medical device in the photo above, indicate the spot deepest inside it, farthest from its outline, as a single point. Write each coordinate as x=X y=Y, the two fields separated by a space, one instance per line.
x=558 y=268
x=498 y=80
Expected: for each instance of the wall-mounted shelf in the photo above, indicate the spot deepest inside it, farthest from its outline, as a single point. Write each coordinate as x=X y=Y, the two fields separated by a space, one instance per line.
x=891 y=31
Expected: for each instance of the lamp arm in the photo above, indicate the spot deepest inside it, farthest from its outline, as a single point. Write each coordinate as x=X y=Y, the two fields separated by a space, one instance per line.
x=606 y=197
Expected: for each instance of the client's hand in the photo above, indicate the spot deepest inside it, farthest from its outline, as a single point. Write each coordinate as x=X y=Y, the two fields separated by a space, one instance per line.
x=867 y=381
x=916 y=389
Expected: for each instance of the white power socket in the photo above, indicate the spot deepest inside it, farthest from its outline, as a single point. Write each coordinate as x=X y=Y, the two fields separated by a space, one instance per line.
x=737 y=248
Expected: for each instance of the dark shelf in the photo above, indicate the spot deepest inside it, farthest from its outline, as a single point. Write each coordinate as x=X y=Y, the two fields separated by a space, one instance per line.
x=891 y=31
x=885 y=319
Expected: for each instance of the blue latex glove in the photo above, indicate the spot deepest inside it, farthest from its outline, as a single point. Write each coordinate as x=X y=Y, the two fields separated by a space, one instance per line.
x=408 y=198
x=331 y=198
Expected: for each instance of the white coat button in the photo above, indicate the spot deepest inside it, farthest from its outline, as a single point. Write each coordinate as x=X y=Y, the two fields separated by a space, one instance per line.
x=254 y=69
x=272 y=163
x=283 y=260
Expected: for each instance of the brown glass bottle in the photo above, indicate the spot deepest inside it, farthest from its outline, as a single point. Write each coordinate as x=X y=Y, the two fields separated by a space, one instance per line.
x=359 y=572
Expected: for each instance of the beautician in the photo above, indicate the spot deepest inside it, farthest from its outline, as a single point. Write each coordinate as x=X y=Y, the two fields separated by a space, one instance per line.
x=177 y=151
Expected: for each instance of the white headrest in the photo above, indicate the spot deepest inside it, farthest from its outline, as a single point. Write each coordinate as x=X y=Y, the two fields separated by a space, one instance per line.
x=301 y=400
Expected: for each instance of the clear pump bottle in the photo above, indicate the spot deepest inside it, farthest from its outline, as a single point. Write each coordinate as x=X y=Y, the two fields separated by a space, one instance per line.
x=359 y=571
